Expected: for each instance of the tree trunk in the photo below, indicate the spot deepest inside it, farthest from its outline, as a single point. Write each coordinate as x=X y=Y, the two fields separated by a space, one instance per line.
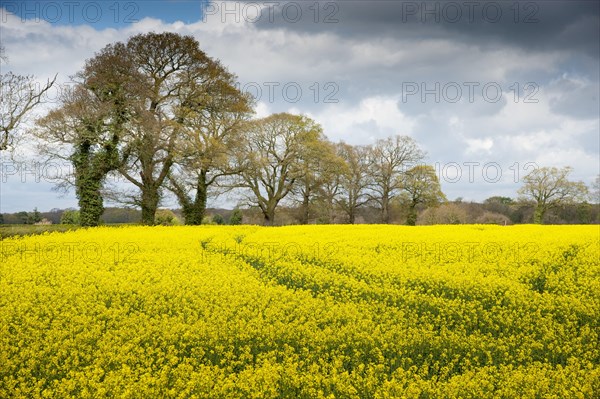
x=351 y=215
x=90 y=202
x=411 y=219
x=149 y=204
x=269 y=214
x=90 y=171
x=351 y=208
x=304 y=208
x=385 y=212
x=187 y=207
x=193 y=212
x=88 y=182
x=331 y=213
x=187 y=210
x=201 y=195
x=538 y=215
x=197 y=209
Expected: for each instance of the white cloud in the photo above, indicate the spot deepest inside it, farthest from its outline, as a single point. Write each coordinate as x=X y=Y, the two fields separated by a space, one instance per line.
x=373 y=118
x=475 y=146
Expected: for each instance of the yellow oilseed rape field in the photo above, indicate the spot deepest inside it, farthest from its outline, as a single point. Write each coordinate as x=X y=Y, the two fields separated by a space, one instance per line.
x=302 y=312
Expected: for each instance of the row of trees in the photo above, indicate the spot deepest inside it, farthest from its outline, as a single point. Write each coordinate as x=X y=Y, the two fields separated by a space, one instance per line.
x=165 y=116
x=494 y=210
x=24 y=217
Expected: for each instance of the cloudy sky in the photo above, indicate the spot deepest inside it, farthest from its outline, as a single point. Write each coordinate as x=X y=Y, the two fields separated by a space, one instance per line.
x=489 y=89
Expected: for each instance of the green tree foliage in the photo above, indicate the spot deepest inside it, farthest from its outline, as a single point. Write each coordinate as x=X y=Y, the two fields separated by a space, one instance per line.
x=23 y=217
x=499 y=200
x=208 y=220
x=448 y=213
x=166 y=217
x=354 y=179
x=388 y=159
x=218 y=219
x=34 y=217
x=584 y=213
x=421 y=187
x=178 y=84
x=505 y=206
x=236 y=217
x=70 y=216
x=550 y=188
x=212 y=117
x=269 y=162
x=319 y=167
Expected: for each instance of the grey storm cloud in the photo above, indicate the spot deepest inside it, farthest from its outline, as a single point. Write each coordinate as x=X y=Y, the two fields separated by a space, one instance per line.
x=531 y=25
x=392 y=45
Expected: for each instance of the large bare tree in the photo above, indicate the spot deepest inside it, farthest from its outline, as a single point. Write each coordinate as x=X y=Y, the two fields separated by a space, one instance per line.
x=269 y=161
x=174 y=74
x=551 y=188
x=354 y=179
x=420 y=186
x=319 y=167
x=389 y=158
x=213 y=116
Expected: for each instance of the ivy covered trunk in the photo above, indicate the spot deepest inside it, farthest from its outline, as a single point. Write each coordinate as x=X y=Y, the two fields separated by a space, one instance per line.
x=193 y=211
x=90 y=201
x=199 y=208
x=90 y=170
x=87 y=186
